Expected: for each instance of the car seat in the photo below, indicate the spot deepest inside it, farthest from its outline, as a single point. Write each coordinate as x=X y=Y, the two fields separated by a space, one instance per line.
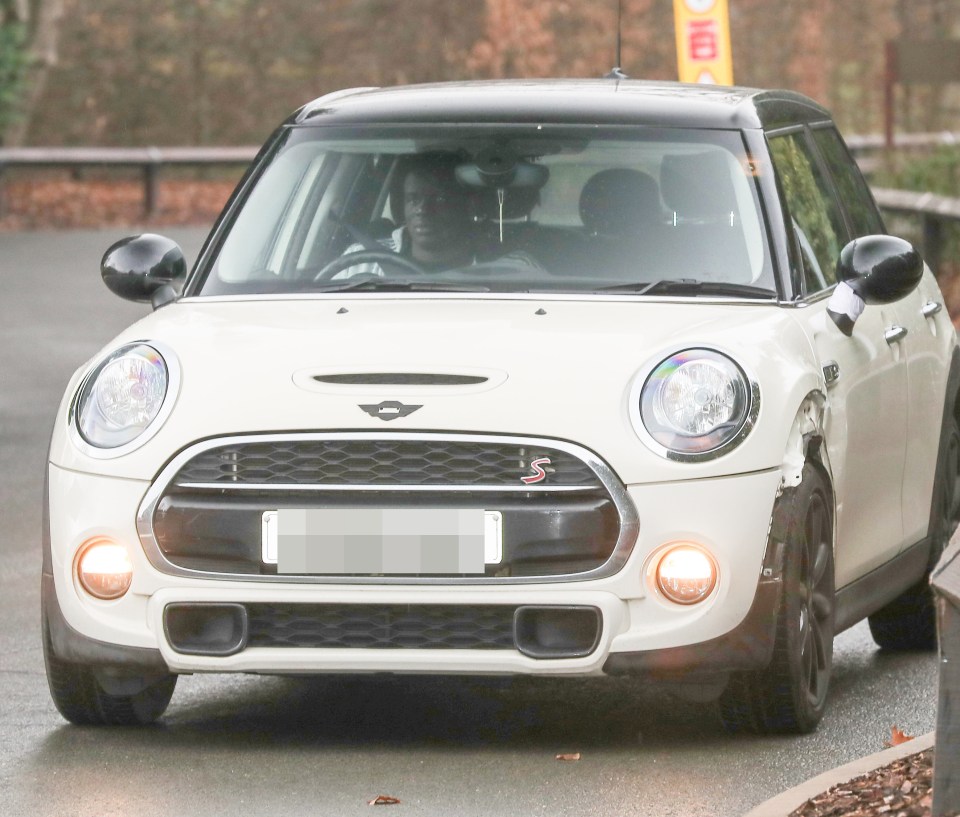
x=705 y=232
x=623 y=216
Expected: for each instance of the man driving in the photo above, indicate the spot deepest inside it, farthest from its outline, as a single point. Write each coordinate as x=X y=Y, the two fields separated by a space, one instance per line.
x=438 y=231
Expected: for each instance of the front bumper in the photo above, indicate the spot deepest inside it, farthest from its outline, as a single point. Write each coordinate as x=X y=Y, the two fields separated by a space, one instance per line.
x=638 y=631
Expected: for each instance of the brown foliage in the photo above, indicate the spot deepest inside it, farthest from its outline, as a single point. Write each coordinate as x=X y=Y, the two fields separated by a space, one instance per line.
x=518 y=41
x=225 y=71
x=66 y=203
x=902 y=789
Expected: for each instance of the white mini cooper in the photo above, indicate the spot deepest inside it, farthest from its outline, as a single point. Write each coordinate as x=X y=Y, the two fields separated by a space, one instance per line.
x=539 y=378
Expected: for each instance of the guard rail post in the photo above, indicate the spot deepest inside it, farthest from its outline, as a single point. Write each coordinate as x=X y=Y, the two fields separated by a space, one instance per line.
x=151 y=181
x=932 y=240
x=946 y=767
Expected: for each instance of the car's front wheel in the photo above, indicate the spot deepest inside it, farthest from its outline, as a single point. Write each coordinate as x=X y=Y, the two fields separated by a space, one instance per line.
x=81 y=696
x=790 y=694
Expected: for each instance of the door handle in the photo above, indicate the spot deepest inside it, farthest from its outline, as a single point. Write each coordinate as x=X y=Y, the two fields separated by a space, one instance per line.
x=894 y=334
x=931 y=308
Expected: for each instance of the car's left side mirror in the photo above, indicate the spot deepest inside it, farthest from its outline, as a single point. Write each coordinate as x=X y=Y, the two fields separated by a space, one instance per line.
x=144 y=267
x=874 y=269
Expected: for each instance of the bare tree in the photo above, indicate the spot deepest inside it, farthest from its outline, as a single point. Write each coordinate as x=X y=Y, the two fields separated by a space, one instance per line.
x=30 y=29
x=224 y=71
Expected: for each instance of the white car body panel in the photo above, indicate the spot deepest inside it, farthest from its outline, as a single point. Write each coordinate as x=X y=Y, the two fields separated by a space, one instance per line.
x=535 y=393
x=635 y=616
x=708 y=519
x=556 y=384
x=394 y=335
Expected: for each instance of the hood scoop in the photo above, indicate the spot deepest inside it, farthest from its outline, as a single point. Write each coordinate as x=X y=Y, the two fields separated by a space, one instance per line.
x=386 y=383
x=400 y=379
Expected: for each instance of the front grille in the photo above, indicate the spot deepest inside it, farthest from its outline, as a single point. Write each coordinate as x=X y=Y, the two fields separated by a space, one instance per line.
x=382 y=626
x=204 y=515
x=379 y=462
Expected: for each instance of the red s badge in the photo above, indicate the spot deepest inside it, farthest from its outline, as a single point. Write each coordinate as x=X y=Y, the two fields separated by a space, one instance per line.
x=539 y=474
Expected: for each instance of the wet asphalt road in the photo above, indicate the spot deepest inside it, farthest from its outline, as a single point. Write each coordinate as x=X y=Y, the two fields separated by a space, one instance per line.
x=296 y=746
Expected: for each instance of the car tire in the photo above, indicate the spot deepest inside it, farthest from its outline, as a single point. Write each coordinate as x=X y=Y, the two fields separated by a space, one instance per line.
x=909 y=622
x=790 y=694
x=81 y=698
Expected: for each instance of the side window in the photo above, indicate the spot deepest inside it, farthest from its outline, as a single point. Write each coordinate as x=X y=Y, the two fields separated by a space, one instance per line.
x=856 y=198
x=816 y=218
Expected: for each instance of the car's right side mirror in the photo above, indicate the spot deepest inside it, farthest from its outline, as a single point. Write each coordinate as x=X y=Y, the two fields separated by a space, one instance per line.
x=874 y=269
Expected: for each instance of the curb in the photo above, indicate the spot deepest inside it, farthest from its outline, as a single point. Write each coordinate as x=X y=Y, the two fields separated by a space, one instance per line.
x=786 y=802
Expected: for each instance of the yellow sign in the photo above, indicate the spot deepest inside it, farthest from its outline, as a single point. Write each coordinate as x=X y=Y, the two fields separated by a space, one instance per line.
x=703 y=41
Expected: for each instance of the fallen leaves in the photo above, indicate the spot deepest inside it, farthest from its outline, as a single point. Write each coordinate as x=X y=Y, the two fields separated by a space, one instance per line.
x=897 y=737
x=387 y=800
x=384 y=800
x=902 y=789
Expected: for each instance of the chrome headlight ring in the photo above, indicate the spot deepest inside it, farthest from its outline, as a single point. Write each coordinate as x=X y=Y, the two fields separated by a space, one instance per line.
x=124 y=399
x=693 y=405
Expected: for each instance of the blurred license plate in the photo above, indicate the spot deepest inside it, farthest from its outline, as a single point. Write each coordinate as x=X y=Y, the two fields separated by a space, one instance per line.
x=382 y=541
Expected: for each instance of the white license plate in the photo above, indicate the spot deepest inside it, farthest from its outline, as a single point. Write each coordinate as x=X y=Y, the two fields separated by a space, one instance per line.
x=387 y=541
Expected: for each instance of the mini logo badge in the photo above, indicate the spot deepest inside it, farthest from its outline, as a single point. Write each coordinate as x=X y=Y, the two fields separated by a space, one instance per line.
x=389 y=410
x=538 y=474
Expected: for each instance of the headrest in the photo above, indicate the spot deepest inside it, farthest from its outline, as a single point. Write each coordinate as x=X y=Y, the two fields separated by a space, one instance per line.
x=698 y=185
x=618 y=200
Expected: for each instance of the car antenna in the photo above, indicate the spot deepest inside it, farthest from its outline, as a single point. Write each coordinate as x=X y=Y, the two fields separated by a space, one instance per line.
x=616 y=72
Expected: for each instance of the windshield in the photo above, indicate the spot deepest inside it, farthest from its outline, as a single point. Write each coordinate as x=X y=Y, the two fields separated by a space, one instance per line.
x=522 y=208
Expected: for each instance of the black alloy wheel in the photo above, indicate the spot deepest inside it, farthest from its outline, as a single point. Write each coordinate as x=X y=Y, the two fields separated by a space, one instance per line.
x=790 y=694
x=80 y=696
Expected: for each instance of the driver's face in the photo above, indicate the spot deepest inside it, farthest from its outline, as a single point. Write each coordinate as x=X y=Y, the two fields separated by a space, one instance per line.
x=436 y=215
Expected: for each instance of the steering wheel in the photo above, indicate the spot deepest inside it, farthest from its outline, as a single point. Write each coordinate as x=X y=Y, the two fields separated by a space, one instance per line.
x=382 y=257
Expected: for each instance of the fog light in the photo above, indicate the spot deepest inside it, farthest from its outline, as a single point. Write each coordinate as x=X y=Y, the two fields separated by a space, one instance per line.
x=104 y=569
x=686 y=574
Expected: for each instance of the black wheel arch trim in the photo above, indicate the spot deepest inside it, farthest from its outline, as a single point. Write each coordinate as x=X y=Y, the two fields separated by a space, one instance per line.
x=749 y=645
x=75 y=648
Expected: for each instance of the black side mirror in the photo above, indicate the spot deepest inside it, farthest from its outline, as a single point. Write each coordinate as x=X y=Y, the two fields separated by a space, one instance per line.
x=881 y=269
x=874 y=269
x=141 y=267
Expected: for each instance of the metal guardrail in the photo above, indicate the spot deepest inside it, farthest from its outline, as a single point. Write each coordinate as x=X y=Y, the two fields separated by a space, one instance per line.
x=867 y=148
x=877 y=141
x=150 y=161
x=934 y=211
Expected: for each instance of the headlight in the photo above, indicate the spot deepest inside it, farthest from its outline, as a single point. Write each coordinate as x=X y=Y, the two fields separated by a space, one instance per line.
x=697 y=404
x=122 y=397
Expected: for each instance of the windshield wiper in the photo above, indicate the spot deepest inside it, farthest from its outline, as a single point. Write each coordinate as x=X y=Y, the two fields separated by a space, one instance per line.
x=398 y=285
x=691 y=286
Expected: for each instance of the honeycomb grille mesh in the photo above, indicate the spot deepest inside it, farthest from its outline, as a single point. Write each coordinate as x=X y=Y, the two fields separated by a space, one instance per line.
x=381 y=462
x=363 y=626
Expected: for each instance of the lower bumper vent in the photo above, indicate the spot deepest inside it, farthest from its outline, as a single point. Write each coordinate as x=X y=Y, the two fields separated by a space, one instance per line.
x=538 y=632
x=382 y=626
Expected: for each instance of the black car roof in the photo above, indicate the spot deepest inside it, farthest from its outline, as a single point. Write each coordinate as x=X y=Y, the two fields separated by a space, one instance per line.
x=607 y=101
